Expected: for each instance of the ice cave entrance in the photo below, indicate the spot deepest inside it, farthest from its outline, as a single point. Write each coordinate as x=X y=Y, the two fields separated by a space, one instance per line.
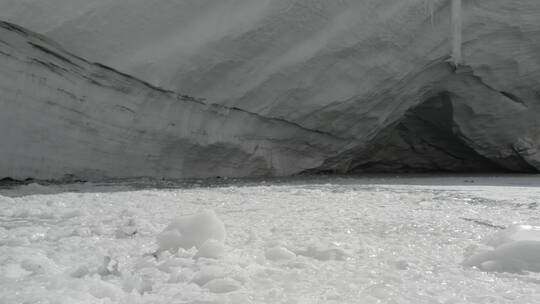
x=425 y=139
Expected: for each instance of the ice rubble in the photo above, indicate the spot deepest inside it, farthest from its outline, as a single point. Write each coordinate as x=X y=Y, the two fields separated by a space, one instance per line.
x=393 y=252
x=515 y=249
x=180 y=245
x=205 y=232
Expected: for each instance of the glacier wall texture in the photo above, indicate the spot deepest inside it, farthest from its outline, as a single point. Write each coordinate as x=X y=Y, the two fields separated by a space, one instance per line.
x=369 y=81
x=64 y=117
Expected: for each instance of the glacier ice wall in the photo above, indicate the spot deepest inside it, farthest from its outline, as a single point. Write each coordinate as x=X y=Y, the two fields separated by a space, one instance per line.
x=368 y=74
x=266 y=55
x=64 y=117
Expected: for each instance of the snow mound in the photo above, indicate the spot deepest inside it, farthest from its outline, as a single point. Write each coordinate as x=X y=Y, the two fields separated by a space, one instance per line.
x=192 y=231
x=515 y=249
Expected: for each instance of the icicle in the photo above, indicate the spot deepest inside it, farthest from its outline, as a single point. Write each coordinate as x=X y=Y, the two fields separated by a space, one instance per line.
x=456 y=34
x=430 y=9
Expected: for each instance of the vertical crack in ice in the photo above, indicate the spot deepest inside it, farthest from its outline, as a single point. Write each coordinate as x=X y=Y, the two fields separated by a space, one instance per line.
x=456 y=28
x=430 y=9
x=456 y=32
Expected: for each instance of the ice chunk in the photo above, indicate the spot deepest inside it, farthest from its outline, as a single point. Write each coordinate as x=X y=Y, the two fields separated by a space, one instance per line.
x=211 y=249
x=513 y=257
x=279 y=253
x=80 y=272
x=401 y=265
x=252 y=237
x=170 y=240
x=323 y=252
x=109 y=267
x=180 y=275
x=191 y=231
x=14 y=241
x=22 y=213
x=82 y=232
x=72 y=214
x=142 y=281
x=208 y=274
x=222 y=285
x=39 y=264
x=128 y=229
x=515 y=233
x=516 y=249
x=13 y=271
x=145 y=262
x=170 y=264
x=101 y=290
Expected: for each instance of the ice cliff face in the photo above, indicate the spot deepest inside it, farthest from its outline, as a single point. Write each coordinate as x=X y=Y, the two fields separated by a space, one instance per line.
x=372 y=75
x=64 y=117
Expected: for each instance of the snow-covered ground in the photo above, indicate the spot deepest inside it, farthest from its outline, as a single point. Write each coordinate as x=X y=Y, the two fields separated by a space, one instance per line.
x=319 y=240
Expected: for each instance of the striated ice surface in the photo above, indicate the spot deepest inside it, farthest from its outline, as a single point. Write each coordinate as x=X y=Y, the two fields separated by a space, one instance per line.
x=339 y=240
x=324 y=86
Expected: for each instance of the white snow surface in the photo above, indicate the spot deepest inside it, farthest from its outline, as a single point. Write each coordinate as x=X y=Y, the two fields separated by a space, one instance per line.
x=317 y=240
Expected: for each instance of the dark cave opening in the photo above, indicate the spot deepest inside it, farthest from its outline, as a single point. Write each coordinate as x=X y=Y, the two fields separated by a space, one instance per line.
x=424 y=140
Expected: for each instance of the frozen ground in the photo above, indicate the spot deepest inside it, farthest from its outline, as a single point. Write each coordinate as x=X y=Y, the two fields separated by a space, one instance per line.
x=323 y=240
